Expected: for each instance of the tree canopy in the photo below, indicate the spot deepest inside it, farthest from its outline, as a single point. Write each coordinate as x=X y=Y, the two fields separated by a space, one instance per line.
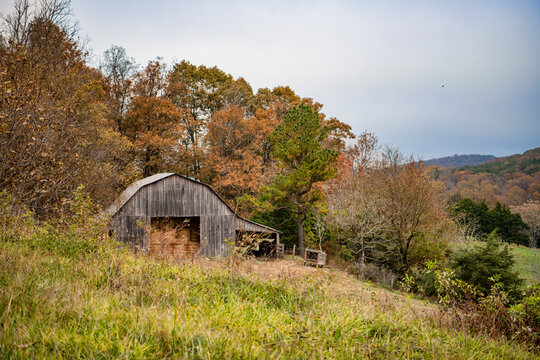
x=303 y=161
x=509 y=226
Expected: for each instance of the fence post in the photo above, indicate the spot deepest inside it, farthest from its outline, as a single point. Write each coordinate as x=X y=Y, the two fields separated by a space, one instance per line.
x=293 y=251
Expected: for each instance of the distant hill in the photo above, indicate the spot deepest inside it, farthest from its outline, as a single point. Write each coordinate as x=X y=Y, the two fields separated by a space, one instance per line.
x=456 y=161
x=526 y=163
x=511 y=180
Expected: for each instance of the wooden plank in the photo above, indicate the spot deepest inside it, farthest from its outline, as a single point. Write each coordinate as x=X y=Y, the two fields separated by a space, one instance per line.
x=176 y=196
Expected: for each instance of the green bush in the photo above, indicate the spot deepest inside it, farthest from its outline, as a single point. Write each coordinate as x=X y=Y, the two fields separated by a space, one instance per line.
x=477 y=264
x=440 y=282
x=528 y=310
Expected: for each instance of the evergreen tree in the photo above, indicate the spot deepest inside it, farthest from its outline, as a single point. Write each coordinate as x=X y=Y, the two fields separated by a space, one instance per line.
x=304 y=161
x=510 y=227
x=479 y=265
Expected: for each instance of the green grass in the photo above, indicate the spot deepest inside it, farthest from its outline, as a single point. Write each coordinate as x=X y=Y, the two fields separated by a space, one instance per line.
x=527 y=263
x=64 y=296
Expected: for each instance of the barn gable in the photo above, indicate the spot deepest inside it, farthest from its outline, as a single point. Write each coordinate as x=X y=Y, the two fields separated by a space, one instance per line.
x=169 y=195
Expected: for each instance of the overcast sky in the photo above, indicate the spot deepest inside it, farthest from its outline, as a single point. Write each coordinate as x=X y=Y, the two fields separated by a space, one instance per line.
x=378 y=66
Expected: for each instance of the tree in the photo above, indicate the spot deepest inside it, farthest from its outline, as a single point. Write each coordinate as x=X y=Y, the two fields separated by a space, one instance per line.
x=196 y=91
x=354 y=202
x=477 y=264
x=153 y=121
x=54 y=134
x=413 y=210
x=530 y=213
x=118 y=67
x=303 y=161
x=469 y=212
x=510 y=227
x=58 y=12
x=234 y=160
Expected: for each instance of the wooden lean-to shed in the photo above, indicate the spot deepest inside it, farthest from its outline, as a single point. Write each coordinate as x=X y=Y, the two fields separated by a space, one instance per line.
x=175 y=215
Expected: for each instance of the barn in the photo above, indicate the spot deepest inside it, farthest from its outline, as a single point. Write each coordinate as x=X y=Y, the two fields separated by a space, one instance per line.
x=179 y=216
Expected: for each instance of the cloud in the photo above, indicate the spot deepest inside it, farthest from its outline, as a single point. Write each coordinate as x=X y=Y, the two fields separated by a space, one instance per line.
x=375 y=65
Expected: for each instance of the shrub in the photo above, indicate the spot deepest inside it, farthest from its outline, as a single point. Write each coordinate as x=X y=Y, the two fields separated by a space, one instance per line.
x=528 y=310
x=441 y=282
x=13 y=218
x=379 y=274
x=475 y=265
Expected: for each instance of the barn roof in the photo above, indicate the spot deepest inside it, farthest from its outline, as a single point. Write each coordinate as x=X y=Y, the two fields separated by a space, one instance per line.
x=137 y=185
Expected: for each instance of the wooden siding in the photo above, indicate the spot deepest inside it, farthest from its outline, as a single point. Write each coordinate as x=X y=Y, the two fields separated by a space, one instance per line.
x=177 y=196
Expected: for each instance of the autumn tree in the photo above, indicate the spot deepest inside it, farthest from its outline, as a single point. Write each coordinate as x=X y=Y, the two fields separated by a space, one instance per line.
x=153 y=122
x=198 y=92
x=303 y=161
x=54 y=134
x=412 y=208
x=234 y=162
x=17 y=24
x=354 y=199
x=118 y=68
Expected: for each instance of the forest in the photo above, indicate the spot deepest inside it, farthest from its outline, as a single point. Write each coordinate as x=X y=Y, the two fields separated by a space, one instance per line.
x=454 y=161
x=513 y=180
x=74 y=135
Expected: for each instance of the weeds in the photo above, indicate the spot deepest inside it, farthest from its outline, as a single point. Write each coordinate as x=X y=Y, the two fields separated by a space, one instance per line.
x=70 y=292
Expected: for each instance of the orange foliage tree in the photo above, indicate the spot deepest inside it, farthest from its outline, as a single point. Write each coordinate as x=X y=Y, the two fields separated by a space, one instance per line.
x=234 y=165
x=54 y=133
x=152 y=122
x=413 y=209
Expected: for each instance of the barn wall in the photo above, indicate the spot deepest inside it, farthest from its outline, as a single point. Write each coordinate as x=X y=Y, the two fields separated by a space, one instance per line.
x=175 y=196
x=133 y=230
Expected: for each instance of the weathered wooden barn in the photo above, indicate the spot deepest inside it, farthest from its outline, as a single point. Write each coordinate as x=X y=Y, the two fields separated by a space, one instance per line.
x=179 y=216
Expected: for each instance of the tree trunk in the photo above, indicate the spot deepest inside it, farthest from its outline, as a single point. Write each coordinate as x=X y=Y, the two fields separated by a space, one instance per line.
x=405 y=253
x=362 y=259
x=301 y=234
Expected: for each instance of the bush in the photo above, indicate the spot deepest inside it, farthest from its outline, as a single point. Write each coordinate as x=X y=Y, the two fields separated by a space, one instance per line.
x=14 y=218
x=80 y=233
x=440 y=282
x=528 y=310
x=475 y=265
x=465 y=308
x=379 y=274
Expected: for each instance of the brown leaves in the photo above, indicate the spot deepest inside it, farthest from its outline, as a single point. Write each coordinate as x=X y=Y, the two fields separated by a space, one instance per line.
x=153 y=121
x=53 y=120
x=235 y=152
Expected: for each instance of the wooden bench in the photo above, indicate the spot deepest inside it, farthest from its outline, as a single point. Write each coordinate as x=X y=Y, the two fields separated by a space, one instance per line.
x=313 y=257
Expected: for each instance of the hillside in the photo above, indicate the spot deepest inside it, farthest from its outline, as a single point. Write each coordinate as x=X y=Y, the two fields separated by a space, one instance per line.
x=67 y=295
x=526 y=163
x=512 y=180
x=455 y=161
x=527 y=262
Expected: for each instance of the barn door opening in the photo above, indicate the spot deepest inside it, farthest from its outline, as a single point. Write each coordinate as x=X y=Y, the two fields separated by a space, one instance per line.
x=258 y=244
x=175 y=237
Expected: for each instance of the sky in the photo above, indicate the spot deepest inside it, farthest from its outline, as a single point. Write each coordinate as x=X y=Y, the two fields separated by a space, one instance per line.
x=378 y=66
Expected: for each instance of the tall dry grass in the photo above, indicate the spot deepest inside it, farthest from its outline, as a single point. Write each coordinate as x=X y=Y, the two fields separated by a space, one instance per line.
x=70 y=292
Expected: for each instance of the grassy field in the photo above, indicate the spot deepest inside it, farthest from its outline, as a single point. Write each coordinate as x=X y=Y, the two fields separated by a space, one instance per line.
x=64 y=296
x=527 y=262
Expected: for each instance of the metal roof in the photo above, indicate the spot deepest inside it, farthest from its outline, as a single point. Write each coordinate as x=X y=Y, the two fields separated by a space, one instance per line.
x=133 y=188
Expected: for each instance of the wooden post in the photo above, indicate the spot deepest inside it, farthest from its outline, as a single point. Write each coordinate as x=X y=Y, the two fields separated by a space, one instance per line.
x=293 y=251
